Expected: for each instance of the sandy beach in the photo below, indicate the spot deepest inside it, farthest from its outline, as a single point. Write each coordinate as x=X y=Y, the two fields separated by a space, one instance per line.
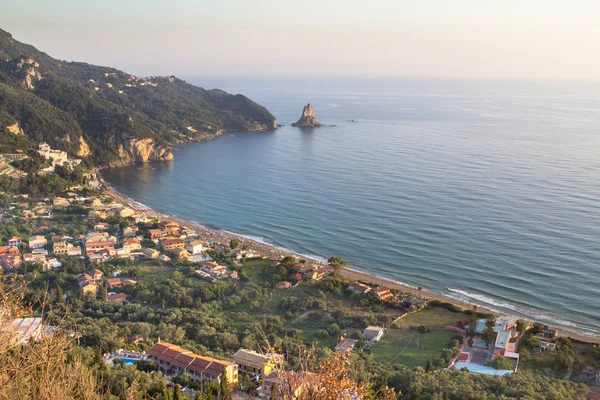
x=219 y=236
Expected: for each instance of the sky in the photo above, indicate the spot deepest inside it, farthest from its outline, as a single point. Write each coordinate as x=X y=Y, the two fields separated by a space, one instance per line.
x=533 y=39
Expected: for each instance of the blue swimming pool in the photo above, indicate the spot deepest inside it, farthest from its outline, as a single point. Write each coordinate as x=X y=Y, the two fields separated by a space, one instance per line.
x=479 y=343
x=128 y=360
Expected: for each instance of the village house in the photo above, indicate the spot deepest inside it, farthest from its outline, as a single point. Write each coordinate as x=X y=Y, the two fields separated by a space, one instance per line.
x=194 y=247
x=359 y=288
x=34 y=258
x=116 y=297
x=89 y=289
x=101 y=226
x=130 y=231
x=83 y=279
x=169 y=226
x=14 y=241
x=156 y=233
x=290 y=381
x=316 y=274
x=181 y=254
x=171 y=244
x=100 y=237
x=10 y=261
x=373 y=333
x=37 y=242
x=283 y=285
x=61 y=247
x=73 y=251
x=253 y=363
x=94 y=247
x=113 y=283
x=214 y=268
x=151 y=253
x=383 y=293
x=346 y=344
x=132 y=244
x=122 y=253
x=174 y=359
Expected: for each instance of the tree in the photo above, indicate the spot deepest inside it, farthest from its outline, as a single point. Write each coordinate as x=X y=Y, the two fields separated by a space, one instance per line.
x=177 y=395
x=274 y=394
x=429 y=366
x=103 y=293
x=234 y=243
x=224 y=390
x=59 y=294
x=199 y=395
x=521 y=326
x=500 y=363
x=337 y=263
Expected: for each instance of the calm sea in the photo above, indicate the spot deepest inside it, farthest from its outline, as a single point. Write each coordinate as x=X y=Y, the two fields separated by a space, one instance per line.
x=486 y=191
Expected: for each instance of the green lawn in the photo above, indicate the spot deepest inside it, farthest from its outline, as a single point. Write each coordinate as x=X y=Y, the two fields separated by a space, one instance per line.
x=153 y=273
x=403 y=345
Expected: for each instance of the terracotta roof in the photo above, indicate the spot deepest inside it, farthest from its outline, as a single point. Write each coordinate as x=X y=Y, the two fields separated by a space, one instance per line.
x=182 y=358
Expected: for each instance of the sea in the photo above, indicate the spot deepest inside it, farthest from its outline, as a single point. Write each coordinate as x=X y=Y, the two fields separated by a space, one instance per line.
x=484 y=190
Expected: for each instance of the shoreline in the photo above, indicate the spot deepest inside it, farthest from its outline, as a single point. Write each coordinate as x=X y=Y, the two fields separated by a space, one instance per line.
x=273 y=252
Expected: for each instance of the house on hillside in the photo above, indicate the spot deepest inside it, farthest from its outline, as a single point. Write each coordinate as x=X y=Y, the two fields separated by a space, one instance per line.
x=253 y=363
x=373 y=333
x=359 y=288
x=194 y=247
x=14 y=241
x=383 y=293
x=346 y=344
x=37 y=242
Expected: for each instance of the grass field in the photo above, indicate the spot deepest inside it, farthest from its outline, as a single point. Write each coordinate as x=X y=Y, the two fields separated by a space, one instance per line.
x=403 y=345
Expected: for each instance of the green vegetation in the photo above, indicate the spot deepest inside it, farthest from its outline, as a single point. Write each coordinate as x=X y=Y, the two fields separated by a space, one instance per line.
x=405 y=343
x=108 y=108
x=500 y=363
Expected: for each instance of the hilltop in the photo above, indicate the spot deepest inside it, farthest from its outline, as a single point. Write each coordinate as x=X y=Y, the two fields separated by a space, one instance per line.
x=106 y=116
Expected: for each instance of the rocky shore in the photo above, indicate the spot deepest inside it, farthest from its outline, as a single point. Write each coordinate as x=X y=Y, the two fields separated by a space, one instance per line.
x=219 y=236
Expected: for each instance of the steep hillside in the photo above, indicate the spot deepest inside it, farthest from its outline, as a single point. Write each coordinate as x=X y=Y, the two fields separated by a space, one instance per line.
x=106 y=116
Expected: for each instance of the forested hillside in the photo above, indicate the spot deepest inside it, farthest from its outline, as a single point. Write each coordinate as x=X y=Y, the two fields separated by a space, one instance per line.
x=107 y=116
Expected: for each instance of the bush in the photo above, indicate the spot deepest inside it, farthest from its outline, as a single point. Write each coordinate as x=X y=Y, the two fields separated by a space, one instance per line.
x=500 y=363
x=322 y=334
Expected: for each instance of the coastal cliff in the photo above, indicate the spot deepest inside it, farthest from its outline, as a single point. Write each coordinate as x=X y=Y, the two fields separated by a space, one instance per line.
x=307 y=119
x=109 y=117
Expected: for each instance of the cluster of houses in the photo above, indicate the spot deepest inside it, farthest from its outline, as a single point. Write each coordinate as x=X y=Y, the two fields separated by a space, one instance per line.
x=56 y=157
x=173 y=360
x=121 y=81
x=302 y=272
x=371 y=334
x=212 y=270
x=90 y=282
x=476 y=352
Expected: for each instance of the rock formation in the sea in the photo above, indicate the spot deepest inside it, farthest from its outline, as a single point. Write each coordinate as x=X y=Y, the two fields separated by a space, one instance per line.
x=308 y=118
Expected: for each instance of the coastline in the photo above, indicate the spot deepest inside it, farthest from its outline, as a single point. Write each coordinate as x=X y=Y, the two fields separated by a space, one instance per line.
x=271 y=251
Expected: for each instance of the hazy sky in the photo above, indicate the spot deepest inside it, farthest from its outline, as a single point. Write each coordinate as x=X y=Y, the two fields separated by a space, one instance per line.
x=459 y=38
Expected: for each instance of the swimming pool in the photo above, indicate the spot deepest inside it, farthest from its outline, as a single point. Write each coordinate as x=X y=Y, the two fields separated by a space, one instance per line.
x=479 y=343
x=128 y=360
